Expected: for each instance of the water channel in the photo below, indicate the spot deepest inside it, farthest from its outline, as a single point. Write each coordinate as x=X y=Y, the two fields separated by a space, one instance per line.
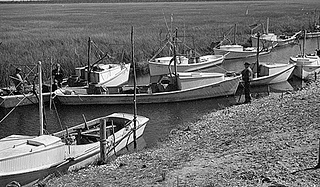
x=163 y=117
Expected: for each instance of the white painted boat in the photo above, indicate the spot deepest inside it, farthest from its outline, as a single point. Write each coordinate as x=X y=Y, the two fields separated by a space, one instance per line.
x=187 y=86
x=102 y=75
x=10 y=101
x=314 y=32
x=165 y=65
x=306 y=65
x=28 y=159
x=271 y=73
x=271 y=40
x=238 y=51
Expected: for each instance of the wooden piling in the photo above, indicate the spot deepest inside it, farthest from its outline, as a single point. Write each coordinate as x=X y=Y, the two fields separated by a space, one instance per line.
x=103 y=140
x=40 y=98
x=114 y=138
x=135 y=91
x=318 y=164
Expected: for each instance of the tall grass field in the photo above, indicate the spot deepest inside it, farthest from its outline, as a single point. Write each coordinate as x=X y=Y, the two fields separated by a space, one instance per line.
x=59 y=33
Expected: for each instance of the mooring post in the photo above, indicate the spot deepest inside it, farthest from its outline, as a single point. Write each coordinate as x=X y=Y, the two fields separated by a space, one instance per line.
x=318 y=164
x=103 y=140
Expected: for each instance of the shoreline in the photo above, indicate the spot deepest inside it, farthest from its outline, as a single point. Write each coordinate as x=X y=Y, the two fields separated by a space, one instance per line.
x=273 y=140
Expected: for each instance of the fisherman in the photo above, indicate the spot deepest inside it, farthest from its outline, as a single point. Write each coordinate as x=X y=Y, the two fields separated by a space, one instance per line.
x=57 y=74
x=247 y=75
x=18 y=81
x=54 y=85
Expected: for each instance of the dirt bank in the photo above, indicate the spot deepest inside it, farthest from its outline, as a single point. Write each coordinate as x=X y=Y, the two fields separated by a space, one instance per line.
x=273 y=140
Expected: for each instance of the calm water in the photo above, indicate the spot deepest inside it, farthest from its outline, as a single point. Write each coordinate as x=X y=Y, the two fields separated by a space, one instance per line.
x=163 y=117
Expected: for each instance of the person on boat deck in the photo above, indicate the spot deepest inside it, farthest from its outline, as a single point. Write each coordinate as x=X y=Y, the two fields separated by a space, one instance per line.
x=57 y=74
x=247 y=75
x=18 y=81
x=54 y=85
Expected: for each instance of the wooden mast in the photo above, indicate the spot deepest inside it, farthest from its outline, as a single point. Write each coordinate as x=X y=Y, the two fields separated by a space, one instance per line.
x=51 y=83
x=40 y=98
x=267 y=32
x=134 y=92
x=234 y=34
x=304 y=42
x=258 y=48
x=175 y=52
x=88 y=55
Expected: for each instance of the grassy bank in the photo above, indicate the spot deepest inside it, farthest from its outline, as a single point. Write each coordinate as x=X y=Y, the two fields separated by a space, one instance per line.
x=273 y=140
x=59 y=32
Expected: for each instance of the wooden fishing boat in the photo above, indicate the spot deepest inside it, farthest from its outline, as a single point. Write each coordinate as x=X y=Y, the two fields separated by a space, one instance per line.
x=266 y=73
x=27 y=159
x=313 y=34
x=306 y=64
x=101 y=75
x=271 y=73
x=314 y=31
x=165 y=65
x=172 y=87
x=238 y=51
x=103 y=72
x=10 y=101
x=185 y=87
x=188 y=59
x=271 y=40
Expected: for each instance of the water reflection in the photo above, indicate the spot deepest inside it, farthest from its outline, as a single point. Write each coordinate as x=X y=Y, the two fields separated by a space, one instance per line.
x=163 y=117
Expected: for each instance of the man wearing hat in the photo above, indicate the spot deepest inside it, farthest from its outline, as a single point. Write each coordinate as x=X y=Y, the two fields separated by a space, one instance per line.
x=18 y=81
x=247 y=75
x=57 y=74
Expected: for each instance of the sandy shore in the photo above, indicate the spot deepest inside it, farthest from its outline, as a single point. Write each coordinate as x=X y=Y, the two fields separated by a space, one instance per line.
x=272 y=141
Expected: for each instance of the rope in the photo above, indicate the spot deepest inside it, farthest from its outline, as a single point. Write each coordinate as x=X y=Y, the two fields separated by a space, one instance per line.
x=55 y=109
x=12 y=110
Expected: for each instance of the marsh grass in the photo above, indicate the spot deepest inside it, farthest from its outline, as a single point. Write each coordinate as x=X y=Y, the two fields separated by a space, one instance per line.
x=58 y=33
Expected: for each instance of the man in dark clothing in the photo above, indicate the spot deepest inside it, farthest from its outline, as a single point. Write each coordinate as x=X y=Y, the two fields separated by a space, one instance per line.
x=247 y=75
x=18 y=81
x=57 y=74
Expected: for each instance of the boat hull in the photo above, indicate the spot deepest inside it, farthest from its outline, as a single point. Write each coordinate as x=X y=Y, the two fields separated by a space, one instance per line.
x=313 y=34
x=29 y=178
x=118 y=78
x=63 y=157
x=271 y=40
x=216 y=89
x=162 y=67
x=102 y=75
x=276 y=73
x=230 y=54
x=306 y=66
x=306 y=71
x=21 y=100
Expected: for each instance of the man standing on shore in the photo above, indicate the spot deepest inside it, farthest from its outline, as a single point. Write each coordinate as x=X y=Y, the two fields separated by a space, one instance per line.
x=247 y=75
